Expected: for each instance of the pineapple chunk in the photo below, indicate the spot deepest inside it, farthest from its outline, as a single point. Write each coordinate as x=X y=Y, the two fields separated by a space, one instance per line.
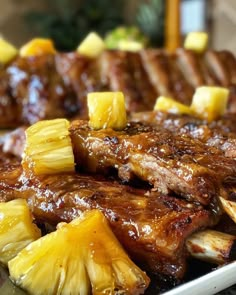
x=92 y=46
x=170 y=105
x=209 y=103
x=78 y=256
x=107 y=110
x=7 y=51
x=48 y=148
x=129 y=45
x=37 y=46
x=16 y=229
x=196 y=41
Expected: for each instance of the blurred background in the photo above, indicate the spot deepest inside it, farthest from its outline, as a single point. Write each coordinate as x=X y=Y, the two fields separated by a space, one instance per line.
x=67 y=22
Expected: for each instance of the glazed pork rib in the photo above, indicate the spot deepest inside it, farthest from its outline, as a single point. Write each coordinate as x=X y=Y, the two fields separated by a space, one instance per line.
x=151 y=227
x=170 y=162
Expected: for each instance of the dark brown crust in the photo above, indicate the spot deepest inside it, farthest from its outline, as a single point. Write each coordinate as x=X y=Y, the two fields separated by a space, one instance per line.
x=220 y=134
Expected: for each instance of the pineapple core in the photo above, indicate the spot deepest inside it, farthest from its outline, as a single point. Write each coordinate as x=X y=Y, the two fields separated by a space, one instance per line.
x=92 y=46
x=7 y=51
x=196 y=41
x=81 y=257
x=107 y=110
x=48 y=148
x=210 y=103
x=170 y=105
x=37 y=46
x=16 y=229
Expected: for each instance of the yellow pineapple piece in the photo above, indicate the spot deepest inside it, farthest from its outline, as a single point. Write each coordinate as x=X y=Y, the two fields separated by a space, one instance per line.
x=76 y=258
x=92 y=46
x=129 y=45
x=16 y=229
x=7 y=51
x=169 y=105
x=37 y=46
x=210 y=103
x=48 y=148
x=107 y=110
x=196 y=41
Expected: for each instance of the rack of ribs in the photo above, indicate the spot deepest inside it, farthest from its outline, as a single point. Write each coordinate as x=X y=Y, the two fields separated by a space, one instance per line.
x=152 y=227
x=44 y=87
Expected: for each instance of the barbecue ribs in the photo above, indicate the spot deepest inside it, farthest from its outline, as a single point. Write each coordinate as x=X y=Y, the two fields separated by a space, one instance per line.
x=168 y=153
x=151 y=227
x=43 y=87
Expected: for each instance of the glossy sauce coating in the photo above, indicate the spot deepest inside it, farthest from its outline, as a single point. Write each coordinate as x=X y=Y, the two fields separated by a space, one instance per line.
x=152 y=227
x=169 y=162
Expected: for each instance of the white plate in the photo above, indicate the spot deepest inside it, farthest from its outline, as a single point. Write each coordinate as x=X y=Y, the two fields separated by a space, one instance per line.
x=210 y=283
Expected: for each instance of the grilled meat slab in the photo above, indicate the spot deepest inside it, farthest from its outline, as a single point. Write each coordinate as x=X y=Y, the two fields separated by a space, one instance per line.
x=164 y=159
x=151 y=227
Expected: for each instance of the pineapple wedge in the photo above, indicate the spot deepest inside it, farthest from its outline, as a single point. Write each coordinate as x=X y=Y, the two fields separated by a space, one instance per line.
x=37 y=46
x=107 y=110
x=92 y=46
x=196 y=41
x=76 y=258
x=7 y=51
x=210 y=103
x=16 y=229
x=170 y=105
x=48 y=148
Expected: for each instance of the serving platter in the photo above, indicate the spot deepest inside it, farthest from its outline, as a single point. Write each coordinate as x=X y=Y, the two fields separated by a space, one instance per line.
x=211 y=283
